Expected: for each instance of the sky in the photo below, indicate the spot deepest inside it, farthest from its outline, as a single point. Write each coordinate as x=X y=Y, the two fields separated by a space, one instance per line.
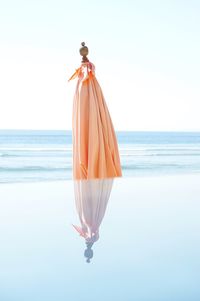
x=146 y=55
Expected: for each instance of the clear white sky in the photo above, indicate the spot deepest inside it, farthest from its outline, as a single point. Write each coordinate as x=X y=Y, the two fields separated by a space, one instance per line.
x=146 y=53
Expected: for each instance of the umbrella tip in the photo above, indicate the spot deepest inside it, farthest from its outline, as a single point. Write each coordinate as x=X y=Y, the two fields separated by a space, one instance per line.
x=84 y=52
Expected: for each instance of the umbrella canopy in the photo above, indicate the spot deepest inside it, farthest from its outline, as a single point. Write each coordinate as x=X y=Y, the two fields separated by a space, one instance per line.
x=95 y=148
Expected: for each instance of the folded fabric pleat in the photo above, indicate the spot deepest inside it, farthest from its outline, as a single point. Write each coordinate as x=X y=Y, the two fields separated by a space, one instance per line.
x=95 y=148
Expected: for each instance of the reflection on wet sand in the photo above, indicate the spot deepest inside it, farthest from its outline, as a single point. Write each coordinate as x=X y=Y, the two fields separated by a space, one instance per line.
x=91 y=199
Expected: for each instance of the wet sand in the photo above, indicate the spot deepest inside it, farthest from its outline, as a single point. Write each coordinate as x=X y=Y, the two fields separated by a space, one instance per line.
x=148 y=248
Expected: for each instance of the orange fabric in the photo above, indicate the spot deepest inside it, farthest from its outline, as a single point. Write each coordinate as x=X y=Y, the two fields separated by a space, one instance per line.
x=95 y=148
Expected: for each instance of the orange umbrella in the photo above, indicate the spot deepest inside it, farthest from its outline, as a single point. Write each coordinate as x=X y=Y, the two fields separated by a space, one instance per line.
x=95 y=148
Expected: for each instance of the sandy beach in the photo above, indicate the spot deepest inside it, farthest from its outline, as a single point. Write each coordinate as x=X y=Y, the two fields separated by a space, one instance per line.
x=148 y=247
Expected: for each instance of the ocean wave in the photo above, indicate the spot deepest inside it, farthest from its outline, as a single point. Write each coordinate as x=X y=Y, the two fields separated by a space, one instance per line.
x=6 y=153
x=160 y=166
x=36 y=149
x=160 y=155
x=33 y=168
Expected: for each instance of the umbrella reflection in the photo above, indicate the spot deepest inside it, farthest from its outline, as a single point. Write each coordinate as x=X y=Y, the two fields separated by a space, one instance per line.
x=91 y=199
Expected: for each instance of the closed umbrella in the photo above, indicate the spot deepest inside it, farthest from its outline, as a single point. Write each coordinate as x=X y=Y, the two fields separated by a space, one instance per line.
x=95 y=148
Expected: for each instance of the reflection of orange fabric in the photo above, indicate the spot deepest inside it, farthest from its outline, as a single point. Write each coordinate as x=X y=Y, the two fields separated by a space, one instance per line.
x=95 y=149
x=91 y=198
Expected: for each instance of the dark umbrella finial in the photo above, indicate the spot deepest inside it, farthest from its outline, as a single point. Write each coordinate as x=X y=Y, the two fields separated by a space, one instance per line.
x=84 y=52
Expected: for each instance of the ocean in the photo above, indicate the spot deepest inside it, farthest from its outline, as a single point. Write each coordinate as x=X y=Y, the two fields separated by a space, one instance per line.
x=32 y=156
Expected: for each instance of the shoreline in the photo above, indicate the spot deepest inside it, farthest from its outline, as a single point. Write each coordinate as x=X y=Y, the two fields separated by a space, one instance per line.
x=150 y=176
